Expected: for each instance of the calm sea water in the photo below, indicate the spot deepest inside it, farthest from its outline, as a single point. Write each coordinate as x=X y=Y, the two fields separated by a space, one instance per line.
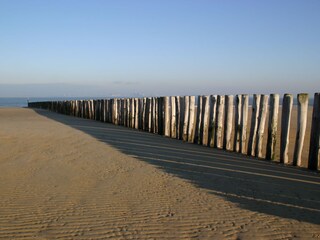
x=23 y=102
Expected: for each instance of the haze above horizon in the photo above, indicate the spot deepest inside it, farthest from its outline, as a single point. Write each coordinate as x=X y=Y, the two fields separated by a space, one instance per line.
x=89 y=48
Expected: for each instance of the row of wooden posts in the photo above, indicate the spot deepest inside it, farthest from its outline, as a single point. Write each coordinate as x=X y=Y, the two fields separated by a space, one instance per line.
x=219 y=121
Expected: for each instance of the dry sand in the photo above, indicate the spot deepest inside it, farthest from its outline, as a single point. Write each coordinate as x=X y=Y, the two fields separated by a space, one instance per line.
x=59 y=182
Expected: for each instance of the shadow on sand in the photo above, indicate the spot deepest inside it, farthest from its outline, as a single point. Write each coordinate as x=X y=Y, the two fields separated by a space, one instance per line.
x=256 y=185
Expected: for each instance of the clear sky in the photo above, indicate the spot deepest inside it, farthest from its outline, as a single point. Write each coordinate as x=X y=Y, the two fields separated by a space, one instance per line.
x=103 y=48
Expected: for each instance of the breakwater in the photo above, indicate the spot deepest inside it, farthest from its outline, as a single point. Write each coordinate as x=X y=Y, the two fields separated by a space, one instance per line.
x=218 y=121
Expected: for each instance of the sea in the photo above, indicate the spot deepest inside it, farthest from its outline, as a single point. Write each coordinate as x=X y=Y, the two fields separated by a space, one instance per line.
x=23 y=102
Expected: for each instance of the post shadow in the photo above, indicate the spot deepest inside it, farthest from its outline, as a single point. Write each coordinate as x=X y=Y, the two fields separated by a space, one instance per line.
x=257 y=185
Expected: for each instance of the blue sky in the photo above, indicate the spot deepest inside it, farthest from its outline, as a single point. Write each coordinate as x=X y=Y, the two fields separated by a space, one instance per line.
x=103 y=48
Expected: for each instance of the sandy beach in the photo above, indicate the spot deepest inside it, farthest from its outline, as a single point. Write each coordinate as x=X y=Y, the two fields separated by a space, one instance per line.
x=68 y=178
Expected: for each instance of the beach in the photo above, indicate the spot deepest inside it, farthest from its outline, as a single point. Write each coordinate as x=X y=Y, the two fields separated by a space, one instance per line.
x=68 y=178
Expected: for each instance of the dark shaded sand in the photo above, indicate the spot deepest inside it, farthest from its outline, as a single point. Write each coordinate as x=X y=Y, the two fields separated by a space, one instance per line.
x=68 y=178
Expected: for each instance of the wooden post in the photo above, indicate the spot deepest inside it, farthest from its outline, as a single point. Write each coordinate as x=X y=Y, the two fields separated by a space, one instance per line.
x=145 y=114
x=303 y=99
x=105 y=110
x=244 y=123
x=149 y=114
x=109 y=110
x=314 y=149
x=272 y=126
x=212 y=123
x=132 y=112
x=285 y=127
x=262 y=122
x=219 y=125
x=178 y=116
x=205 y=120
x=85 y=110
x=115 y=111
x=76 y=111
x=119 y=111
x=140 y=113
x=166 y=117
x=101 y=110
x=237 y=124
x=173 y=118
x=186 y=118
x=228 y=122
x=160 y=116
x=147 y=122
x=197 y=137
x=136 y=113
x=182 y=110
x=191 y=130
x=156 y=115
x=125 y=116
x=254 y=124
x=151 y=123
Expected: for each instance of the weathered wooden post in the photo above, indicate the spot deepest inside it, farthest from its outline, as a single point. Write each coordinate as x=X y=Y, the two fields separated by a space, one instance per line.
x=182 y=110
x=302 y=100
x=205 y=120
x=86 y=109
x=237 y=123
x=115 y=111
x=153 y=118
x=197 y=137
x=119 y=105
x=272 y=126
x=156 y=115
x=228 y=122
x=76 y=111
x=149 y=114
x=140 y=113
x=160 y=116
x=74 y=106
x=132 y=111
x=244 y=123
x=128 y=110
x=219 y=125
x=146 y=121
x=124 y=112
x=121 y=111
x=191 y=130
x=314 y=149
x=105 y=110
x=83 y=115
x=212 y=123
x=136 y=113
x=102 y=110
x=261 y=124
x=173 y=118
x=151 y=110
x=186 y=118
x=166 y=116
x=254 y=124
x=178 y=116
x=144 y=113
x=93 y=110
x=285 y=127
